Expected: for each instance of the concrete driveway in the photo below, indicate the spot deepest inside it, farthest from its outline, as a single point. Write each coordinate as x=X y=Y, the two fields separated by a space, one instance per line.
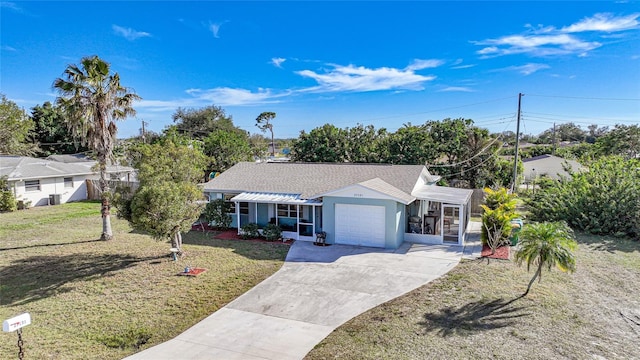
x=316 y=290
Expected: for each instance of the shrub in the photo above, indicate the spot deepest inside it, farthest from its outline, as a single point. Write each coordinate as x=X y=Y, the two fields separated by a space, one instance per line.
x=7 y=200
x=272 y=232
x=499 y=209
x=216 y=212
x=602 y=200
x=250 y=231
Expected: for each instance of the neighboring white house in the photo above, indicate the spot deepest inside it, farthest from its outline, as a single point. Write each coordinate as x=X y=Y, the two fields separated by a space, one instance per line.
x=38 y=182
x=376 y=205
x=548 y=166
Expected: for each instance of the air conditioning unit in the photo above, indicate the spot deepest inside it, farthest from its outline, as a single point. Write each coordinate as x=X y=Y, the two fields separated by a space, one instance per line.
x=54 y=199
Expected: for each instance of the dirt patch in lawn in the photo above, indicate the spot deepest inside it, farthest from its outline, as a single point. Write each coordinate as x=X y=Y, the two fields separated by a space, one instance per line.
x=474 y=312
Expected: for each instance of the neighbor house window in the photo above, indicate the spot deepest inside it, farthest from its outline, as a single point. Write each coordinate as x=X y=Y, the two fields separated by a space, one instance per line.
x=68 y=182
x=32 y=185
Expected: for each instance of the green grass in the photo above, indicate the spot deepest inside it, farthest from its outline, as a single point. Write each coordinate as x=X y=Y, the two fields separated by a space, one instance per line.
x=474 y=312
x=91 y=299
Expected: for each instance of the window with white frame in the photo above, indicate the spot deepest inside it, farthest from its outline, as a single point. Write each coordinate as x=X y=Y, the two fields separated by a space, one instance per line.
x=32 y=185
x=287 y=210
x=68 y=182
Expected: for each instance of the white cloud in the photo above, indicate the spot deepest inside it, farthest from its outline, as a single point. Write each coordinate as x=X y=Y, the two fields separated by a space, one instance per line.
x=536 y=45
x=8 y=48
x=419 y=64
x=456 y=88
x=277 y=62
x=605 y=22
x=352 y=78
x=527 y=69
x=129 y=33
x=463 y=66
x=230 y=96
x=541 y=41
x=215 y=28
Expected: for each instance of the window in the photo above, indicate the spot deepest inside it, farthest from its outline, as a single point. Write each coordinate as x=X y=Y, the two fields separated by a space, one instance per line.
x=32 y=185
x=285 y=210
x=68 y=182
x=231 y=206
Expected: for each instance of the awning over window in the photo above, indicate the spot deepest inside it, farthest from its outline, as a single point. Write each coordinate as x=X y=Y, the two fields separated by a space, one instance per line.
x=274 y=198
x=443 y=194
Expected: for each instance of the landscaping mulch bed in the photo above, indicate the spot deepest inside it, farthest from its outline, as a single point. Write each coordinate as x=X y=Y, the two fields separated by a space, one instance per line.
x=501 y=253
x=233 y=235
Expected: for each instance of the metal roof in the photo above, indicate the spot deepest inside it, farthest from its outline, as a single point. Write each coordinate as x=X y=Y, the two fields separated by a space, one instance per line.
x=274 y=198
x=443 y=194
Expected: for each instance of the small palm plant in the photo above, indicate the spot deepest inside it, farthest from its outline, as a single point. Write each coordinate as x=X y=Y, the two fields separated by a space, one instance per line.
x=546 y=244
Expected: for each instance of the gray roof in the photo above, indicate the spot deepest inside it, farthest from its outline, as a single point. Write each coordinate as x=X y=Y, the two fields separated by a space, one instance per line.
x=69 y=158
x=27 y=168
x=549 y=165
x=311 y=179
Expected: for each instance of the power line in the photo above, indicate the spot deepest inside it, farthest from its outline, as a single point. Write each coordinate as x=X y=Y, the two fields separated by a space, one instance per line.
x=584 y=98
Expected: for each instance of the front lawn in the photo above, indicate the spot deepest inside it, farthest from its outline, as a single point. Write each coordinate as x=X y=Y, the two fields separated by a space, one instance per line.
x=91 y=299
x=469 y=313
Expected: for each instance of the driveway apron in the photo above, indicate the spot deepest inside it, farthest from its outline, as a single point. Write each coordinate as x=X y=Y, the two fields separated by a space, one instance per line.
x=316 y=290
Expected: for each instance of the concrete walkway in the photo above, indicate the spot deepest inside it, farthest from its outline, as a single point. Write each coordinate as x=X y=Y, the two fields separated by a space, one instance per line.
x=315 y=291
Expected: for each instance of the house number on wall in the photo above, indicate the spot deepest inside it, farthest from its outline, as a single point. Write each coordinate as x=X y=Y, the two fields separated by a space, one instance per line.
x=358 y=195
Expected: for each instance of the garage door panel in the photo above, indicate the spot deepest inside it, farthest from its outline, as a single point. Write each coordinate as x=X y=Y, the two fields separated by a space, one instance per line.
x=362 y=225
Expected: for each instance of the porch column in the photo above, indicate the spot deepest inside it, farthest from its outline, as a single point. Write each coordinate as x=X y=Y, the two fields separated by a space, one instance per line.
x=256 y=212
x=238 y=215
x=313 y=217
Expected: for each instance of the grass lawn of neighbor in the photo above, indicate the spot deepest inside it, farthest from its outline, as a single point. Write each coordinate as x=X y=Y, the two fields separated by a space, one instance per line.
x=91 y=299
x=593 y=313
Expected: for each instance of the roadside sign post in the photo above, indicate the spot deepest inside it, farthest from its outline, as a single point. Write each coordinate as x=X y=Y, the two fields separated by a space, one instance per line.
x=16 y=323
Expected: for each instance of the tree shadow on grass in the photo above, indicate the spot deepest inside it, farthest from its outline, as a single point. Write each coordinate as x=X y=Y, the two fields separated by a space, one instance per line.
x=38 y=277
x=46 y=245
x=609 y=244
x=474 y=317
x=247 y=248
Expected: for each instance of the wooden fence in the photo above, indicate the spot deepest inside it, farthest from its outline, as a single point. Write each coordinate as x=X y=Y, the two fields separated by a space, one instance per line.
x=476 y=200
x=93 y=187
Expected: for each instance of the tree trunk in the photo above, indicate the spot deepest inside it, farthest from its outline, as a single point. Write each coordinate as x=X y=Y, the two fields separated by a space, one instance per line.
x=107 y=232
x=538 y=272
x=176 y=241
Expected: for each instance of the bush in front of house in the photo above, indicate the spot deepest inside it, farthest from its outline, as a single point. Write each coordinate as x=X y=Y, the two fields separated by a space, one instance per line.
x=249 y=231
x=272 y=232
x=216 y=213
x=602 y=200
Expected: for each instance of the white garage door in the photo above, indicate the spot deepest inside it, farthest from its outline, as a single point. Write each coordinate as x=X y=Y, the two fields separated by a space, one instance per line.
x=361 y=225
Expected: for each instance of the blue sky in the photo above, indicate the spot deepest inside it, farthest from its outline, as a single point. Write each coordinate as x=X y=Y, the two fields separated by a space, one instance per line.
x=344 y=63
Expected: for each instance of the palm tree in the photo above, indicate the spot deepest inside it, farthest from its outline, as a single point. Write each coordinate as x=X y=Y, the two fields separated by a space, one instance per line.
x=546 y=244
x=93 y=100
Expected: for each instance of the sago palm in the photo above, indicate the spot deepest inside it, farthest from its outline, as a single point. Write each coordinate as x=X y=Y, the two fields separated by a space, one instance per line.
x=546 y=244
x=93 y=100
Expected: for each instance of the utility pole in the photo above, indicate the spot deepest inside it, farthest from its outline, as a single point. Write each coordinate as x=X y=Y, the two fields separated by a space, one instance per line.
x=143 y=133
x=514 y=188
x=553 y=152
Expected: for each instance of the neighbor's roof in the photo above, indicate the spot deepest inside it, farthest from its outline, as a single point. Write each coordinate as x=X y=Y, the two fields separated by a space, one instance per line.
x=69 y=158
x=549 y=165
x=312 y=179
x=27 y=168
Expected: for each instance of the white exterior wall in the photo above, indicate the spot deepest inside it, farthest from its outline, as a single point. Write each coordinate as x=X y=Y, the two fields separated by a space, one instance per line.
x=50 y=186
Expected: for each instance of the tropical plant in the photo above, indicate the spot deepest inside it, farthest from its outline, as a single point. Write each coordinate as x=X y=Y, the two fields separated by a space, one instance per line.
x=217 y=213
x=546 y=244
x=92 y=100
x=499 y=209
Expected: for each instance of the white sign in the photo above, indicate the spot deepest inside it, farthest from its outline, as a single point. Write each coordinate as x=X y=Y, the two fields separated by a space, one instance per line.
x=16 y=323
